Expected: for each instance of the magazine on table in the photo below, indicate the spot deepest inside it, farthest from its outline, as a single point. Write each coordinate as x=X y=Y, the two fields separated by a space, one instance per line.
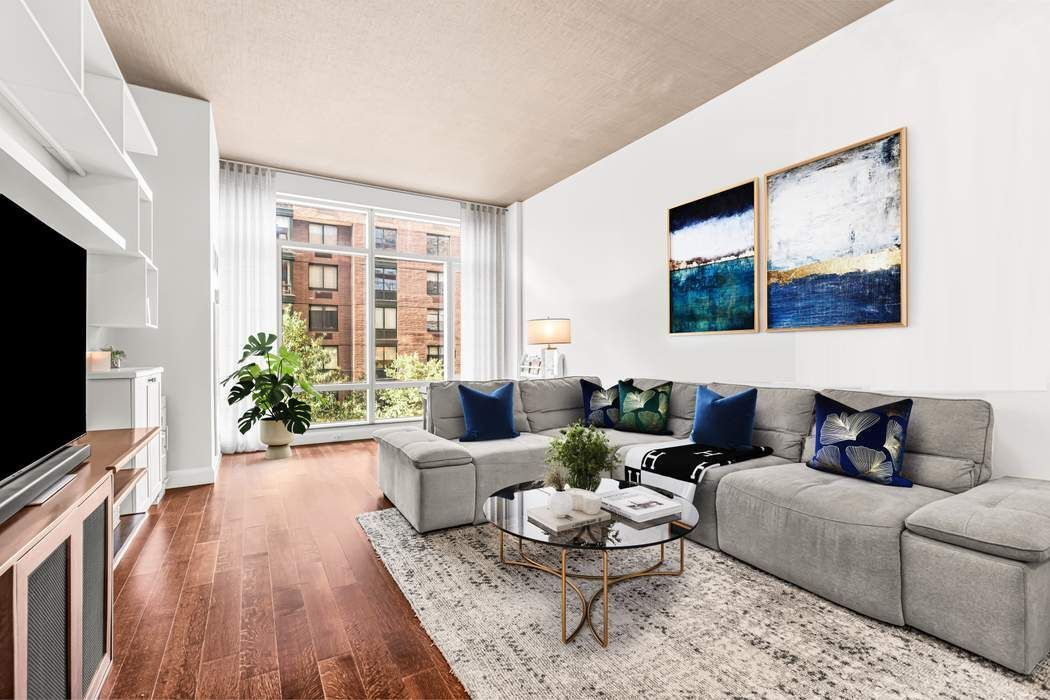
x=640 y=504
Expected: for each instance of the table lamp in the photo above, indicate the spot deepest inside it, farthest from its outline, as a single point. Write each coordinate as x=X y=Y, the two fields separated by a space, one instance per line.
x=550 y=332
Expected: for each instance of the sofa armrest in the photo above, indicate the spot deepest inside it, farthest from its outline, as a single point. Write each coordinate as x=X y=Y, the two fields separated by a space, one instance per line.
x=424 y=450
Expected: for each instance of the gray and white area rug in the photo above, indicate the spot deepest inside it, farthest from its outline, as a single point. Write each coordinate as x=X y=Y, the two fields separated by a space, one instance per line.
x=722 y=629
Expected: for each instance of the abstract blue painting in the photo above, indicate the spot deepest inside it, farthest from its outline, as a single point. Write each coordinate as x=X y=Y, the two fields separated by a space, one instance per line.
x=836 y=238
x=711 y=245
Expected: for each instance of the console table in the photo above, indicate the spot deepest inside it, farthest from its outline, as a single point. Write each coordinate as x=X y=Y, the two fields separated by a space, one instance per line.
x=56 y=576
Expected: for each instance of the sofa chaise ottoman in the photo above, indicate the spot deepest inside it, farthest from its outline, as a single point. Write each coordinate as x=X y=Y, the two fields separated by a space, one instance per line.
x=977 y=571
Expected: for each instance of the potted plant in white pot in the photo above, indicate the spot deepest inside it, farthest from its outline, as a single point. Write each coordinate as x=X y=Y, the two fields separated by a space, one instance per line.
x=577 y=459
x=271 y=387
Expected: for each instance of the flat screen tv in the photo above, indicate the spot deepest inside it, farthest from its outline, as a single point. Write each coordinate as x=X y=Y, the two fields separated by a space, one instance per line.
x=45 y=374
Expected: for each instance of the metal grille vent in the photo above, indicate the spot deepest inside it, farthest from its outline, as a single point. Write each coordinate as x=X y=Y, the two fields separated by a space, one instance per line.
x=47 y=673
x=94 y=627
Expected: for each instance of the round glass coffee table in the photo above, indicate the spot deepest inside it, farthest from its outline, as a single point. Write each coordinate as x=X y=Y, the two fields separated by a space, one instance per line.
x=508 y=509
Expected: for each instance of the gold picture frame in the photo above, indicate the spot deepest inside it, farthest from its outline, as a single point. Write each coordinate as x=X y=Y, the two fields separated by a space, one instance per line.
x=756 y=316
x=903 y=160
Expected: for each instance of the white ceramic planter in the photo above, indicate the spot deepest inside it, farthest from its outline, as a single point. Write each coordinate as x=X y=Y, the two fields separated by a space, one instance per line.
x=560 y=503
x=277 y=439
x=585 y=501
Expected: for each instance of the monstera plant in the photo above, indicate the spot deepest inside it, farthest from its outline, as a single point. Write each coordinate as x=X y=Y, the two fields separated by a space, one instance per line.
x=269 y=378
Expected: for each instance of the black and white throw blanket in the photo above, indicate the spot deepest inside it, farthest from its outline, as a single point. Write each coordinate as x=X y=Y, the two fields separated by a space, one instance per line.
x=679 y=466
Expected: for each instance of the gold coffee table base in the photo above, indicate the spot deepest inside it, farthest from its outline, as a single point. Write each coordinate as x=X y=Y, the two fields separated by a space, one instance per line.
x=607 y=581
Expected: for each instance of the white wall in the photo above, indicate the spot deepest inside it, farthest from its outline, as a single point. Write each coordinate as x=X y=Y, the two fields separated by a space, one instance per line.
x=968 y=79
x=184 y=181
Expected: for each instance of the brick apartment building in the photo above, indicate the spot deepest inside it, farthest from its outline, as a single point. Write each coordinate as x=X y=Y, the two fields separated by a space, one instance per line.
x=328 y=289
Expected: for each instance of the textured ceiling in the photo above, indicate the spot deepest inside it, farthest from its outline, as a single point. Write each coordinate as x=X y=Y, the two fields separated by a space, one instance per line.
x=486 y=100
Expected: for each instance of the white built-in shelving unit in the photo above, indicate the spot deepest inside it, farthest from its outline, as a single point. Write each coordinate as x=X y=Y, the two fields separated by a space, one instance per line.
x=59 y=77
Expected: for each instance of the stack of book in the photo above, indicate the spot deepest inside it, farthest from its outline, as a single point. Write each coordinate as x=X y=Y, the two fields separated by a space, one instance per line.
x=640 y=504
x=549 y=521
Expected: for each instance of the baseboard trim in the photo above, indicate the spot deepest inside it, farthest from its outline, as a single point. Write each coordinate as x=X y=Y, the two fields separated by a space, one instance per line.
x=189 y=477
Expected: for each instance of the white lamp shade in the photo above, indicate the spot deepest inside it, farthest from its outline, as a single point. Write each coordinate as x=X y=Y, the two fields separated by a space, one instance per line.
x=549 y=331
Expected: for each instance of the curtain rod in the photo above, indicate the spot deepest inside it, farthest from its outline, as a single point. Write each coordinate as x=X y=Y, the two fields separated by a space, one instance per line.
x=359 y=183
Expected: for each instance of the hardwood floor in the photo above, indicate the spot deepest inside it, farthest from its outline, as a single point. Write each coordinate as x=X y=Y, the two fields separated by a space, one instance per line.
x=263 y=585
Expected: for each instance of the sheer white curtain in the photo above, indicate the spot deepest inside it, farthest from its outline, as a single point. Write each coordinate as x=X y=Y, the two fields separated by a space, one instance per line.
x=485 y=261
x=247 y=280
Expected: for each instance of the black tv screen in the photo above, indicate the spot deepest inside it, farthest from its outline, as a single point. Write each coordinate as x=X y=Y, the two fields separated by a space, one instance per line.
x=46 y=338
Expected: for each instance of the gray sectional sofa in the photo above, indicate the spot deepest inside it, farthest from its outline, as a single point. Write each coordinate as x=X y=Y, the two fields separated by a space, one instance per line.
x=956 y=555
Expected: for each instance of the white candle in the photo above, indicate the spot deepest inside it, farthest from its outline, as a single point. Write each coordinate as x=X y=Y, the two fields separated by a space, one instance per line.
x=98 y=361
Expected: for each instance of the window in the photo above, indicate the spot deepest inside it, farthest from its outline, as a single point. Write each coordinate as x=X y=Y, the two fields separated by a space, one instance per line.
x=385 y=355
x=324 y=234
x=284 y=223
x=363 y=293
x=386 y=238
x=435 y=283
x=386 y=322
x=324 y=276
x=386 y=281
x=286 y=276
x=324 y=318
x=438 y=245
x=435 y=320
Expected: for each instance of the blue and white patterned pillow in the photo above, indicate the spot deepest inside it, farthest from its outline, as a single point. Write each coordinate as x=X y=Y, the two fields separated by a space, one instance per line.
x=863 y=444
x=601 y=407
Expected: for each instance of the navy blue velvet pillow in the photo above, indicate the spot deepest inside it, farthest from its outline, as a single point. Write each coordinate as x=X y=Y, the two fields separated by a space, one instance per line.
x=863 y=444
x=488 y=416
x=724 y=421
x=601 y=407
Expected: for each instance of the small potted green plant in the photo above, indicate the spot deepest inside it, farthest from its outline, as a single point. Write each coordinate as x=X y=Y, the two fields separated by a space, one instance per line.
x=582 y=453
x=560 y=501
x=271 y=386
x=116 y=357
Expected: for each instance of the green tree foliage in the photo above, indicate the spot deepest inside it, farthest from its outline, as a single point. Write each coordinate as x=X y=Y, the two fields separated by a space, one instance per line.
x=333 y=407
x=407 y=402
x=328 y=407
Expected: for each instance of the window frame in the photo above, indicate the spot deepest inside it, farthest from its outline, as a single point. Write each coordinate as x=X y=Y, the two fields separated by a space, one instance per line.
x=440 y=321
x=371 y=385
x=385 y=230
x=323 y=287
x=439 y=238
x=324 y=233
x=325 y=309
x=440 y=283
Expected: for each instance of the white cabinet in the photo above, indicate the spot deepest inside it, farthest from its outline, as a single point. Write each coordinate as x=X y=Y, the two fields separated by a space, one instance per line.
x=131 y=398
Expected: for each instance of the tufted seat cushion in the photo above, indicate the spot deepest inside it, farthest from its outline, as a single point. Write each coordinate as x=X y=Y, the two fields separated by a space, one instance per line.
x=835 y=536
x=1008 y=517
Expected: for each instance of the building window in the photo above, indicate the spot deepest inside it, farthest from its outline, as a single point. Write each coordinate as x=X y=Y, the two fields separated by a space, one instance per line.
x=368 y=290
x=386 y=281
x=439 y=245
x=435 y=283
x=284 y=223
x=324 y=234
x=286 y=277
x=325 y=277
x=386 y=322
x=435 y=320
x=386 y=238
x=385 y=355
x=324 y=318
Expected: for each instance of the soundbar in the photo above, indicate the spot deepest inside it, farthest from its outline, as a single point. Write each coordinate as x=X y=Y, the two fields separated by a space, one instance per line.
x=24 y=488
